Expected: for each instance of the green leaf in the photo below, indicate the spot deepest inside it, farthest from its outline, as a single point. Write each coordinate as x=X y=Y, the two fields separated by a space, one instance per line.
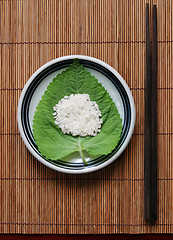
x=51 y=142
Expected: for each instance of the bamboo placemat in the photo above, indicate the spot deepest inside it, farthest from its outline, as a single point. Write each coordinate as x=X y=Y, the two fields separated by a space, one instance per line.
x=35 y=199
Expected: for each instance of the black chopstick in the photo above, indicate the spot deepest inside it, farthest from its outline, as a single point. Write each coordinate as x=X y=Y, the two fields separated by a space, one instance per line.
x=150 y=136
x=147 y=132
x=153 y=195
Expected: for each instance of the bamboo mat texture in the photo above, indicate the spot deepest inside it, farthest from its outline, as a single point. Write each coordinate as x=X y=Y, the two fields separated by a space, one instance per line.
x=36 y=199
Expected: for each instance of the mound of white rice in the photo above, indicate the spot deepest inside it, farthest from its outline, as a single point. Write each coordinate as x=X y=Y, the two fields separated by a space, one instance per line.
x=78 y=115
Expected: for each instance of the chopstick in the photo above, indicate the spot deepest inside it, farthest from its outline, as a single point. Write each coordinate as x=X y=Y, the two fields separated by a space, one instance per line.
x=147 y=132
x=153 y=196
x=150 y=136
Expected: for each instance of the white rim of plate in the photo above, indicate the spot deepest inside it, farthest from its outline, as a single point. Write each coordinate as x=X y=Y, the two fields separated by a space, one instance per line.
x=129 y=135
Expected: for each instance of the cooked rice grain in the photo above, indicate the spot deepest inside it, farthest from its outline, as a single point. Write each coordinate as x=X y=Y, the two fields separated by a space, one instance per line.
x=78 y=115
